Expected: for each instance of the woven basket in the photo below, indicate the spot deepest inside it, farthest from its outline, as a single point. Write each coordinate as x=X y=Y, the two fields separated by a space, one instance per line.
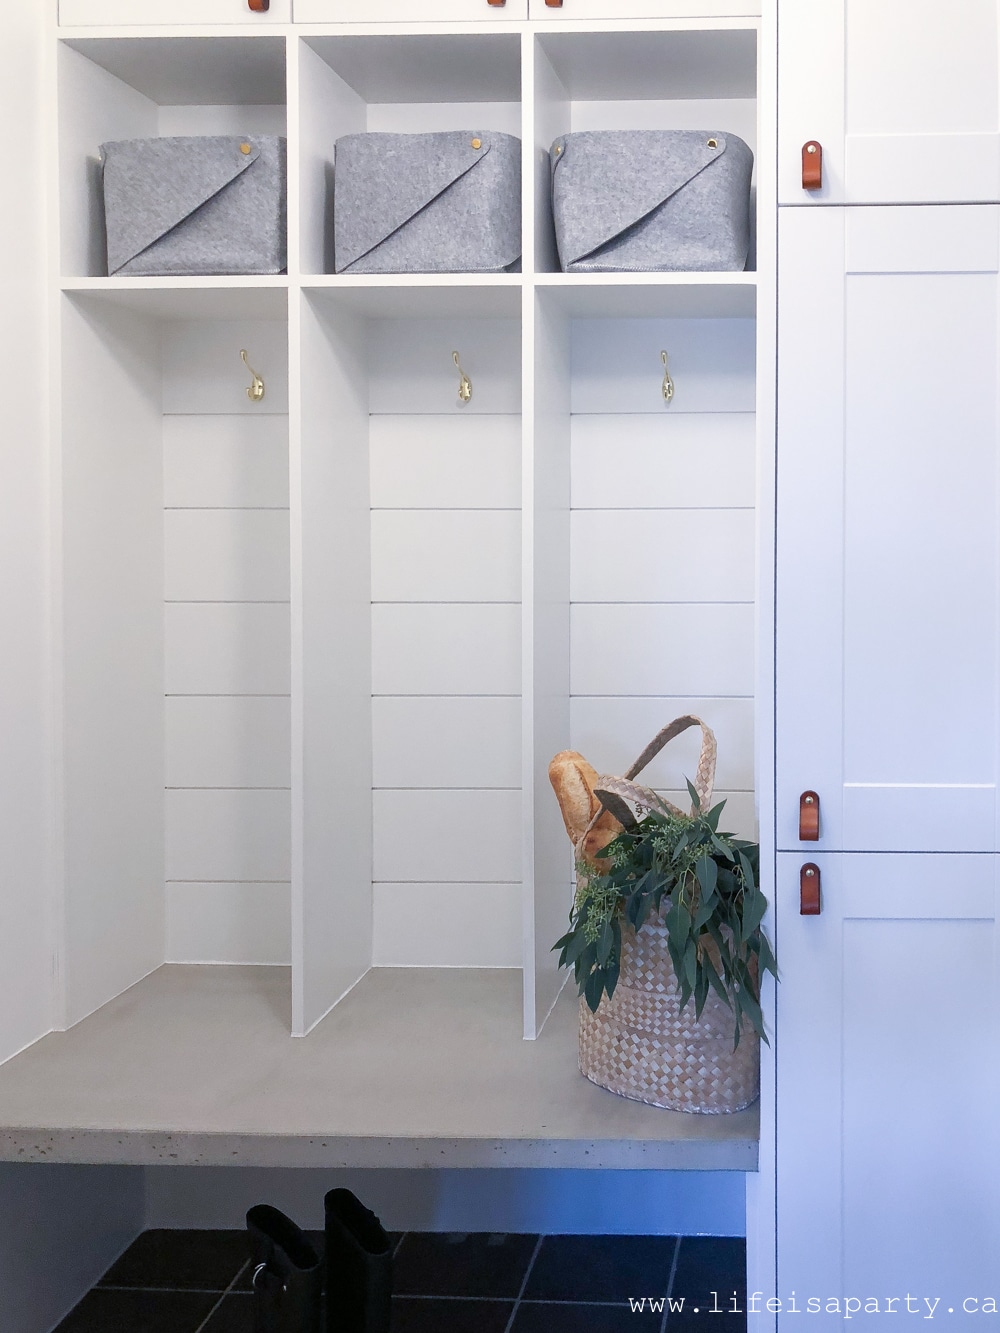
x=640 y=1043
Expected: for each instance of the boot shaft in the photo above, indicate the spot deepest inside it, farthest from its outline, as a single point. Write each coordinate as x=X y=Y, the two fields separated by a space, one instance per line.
x=287 y=1274
x=358 y=1267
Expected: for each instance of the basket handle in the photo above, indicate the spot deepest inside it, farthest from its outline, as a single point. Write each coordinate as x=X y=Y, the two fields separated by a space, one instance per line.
x=704 y=778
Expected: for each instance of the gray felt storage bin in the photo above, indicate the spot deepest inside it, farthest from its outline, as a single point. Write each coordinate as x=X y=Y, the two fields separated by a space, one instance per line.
x=427 y=203
x=645 y=201
x=195 y=205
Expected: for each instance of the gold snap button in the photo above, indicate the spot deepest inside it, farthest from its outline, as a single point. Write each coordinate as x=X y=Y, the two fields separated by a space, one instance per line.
x=244 y=148
x=810 y=148
x=477 y=143
x=713 y=143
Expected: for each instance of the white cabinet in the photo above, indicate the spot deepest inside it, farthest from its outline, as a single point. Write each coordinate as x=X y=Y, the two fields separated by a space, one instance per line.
x=173 y=13
x=570 y=10
x=409 y=11
x=901 y=95
x=888 y=524
x=888 y=1149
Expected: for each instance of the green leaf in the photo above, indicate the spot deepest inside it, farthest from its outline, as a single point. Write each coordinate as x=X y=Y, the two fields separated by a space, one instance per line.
x=708 y=874
x=605 y=943
x=593 y=989
x=576 y=946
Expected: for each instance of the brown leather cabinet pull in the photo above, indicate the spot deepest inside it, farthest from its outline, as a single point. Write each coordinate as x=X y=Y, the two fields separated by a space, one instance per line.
x=812 y=165
x=497 y=4
x=808 y=817
x=554 y=4
x=809 y=890
x=259 y=6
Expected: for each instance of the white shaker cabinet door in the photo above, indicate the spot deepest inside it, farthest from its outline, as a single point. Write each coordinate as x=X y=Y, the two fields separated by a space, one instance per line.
x=887 y=527
x=642 y=9
x=888 y=1172
x=172 y=13
x=901 y=94
x=407 y=11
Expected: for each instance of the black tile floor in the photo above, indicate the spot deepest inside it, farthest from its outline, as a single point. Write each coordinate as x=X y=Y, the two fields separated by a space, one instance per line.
x=199 y=1282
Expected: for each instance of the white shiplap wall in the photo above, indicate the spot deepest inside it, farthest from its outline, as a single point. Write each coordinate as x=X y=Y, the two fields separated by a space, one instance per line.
x=446 y=587
x=662 y=538
x=226 y=594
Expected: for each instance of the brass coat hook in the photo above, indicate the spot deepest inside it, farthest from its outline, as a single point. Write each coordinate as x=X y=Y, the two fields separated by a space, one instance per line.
x=668 y=384
x=464 y=384
x=256 y=390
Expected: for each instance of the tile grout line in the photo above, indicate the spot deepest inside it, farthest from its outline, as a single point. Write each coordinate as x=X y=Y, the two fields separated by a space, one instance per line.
x=239 y=1273
x=524 y=1285
x=670 y=1284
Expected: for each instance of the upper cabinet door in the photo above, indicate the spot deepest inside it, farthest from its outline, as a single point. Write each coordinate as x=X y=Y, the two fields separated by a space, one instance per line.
x=129 y=13
x=901 y=94
x=643 y=9
x=888 y=527
x=407 y=11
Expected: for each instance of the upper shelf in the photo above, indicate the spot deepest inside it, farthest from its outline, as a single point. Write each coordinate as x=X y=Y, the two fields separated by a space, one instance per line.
x=416 y=1068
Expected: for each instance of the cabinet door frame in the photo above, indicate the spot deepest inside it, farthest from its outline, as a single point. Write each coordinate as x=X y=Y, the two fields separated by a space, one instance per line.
x=907 y=798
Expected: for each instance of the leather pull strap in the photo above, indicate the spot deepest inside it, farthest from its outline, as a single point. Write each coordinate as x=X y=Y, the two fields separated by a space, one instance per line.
x=809 y=890
x=259 y=6
x=808 y=817
x=554 y=4
x=812 y=165
x=497 y=4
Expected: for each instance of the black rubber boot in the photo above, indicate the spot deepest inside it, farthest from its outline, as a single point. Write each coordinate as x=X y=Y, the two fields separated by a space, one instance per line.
x=287 y=1274
x=358 y=1267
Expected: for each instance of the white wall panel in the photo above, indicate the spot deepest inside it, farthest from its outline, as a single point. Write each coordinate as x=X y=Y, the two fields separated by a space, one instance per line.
x=227 y=742
x=445 y=462
x=446 y=742
x=228 y=835
x=665 y=458
x=226 y=649
x=203 y=371
x=612 y=733
x=447 y=925
x=218 y=462
x=226 y=555
x=662 y=555
x=412 y=370
x=447 y=836
x=658 y=650
x=228 y=923
x=446 y=556
x=446 y=649
x=617 y=367
x=739 y=816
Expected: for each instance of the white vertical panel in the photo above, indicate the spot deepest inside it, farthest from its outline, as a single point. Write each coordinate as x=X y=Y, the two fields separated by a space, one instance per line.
x=94 y=108
x=440 y=555
x=328 y=108
x=548 y=858
x=112 y=589
x=332 y=684
x=449 y=649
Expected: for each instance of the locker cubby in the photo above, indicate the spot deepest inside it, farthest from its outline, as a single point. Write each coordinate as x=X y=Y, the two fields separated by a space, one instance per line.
x=145 y=87
x=407 y=548
x=418 y=82
x=173 y=629
x=676 y=78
